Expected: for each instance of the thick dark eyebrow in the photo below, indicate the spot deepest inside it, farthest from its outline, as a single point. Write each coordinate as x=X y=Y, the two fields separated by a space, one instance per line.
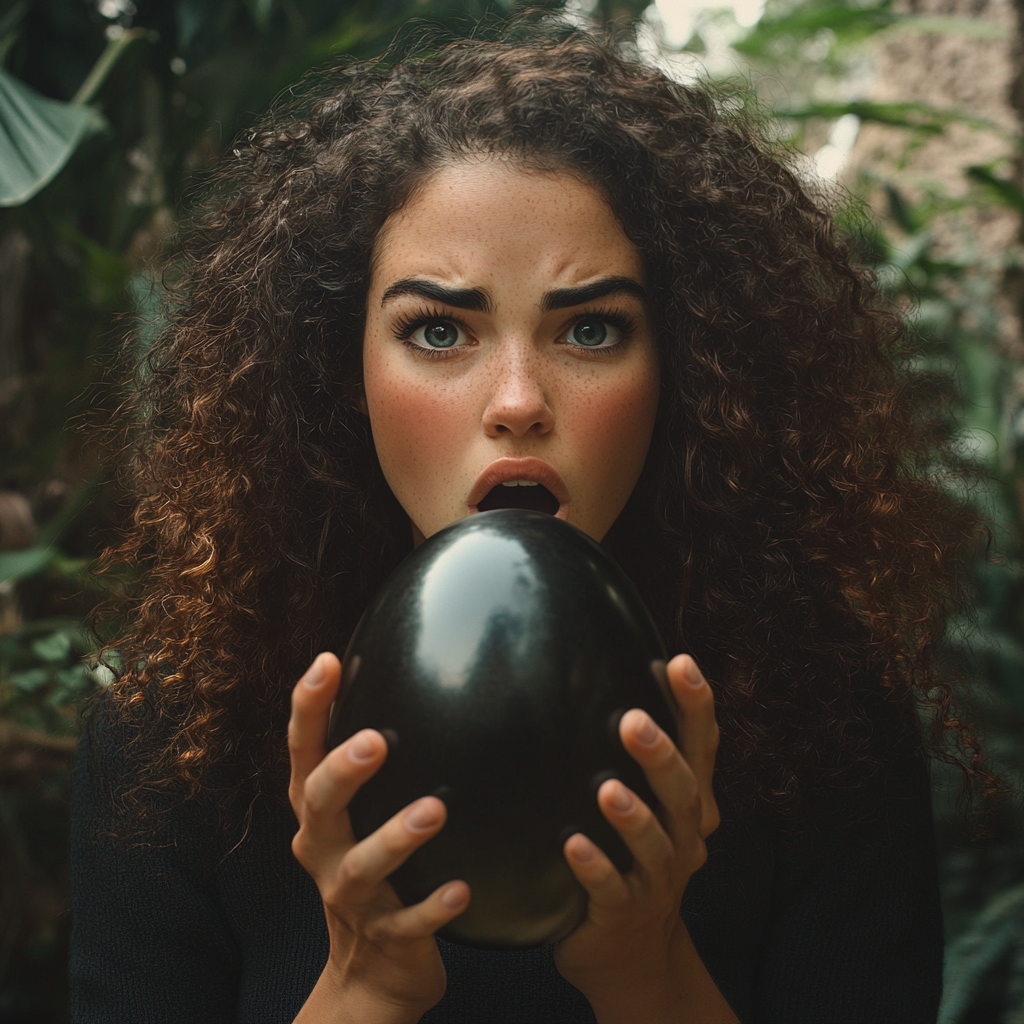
x=475 y=299
x=563 y=297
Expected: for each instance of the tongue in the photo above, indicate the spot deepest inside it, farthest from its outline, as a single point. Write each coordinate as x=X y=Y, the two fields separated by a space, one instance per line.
x=538 y=498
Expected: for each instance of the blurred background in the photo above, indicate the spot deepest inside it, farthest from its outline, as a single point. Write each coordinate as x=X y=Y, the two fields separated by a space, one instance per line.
x=110 y=108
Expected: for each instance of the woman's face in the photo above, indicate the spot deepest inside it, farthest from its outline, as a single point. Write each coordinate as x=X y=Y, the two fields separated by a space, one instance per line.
x=508 y=359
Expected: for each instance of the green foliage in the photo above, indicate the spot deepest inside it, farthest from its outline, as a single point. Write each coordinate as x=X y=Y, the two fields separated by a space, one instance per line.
x=37 y=136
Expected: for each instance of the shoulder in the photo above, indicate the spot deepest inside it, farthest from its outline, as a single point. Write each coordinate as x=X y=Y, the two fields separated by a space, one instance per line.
x=118 y=801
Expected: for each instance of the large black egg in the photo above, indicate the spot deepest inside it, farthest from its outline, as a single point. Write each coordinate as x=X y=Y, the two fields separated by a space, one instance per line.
x=498 y=660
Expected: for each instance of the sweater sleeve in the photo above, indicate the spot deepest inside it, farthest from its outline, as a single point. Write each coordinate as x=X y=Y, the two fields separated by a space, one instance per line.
x=149 y=941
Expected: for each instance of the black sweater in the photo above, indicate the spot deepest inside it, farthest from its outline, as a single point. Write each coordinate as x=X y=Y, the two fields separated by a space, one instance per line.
x=197 y=926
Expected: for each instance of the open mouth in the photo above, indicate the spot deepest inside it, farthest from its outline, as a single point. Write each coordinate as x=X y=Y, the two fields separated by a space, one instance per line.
x=520 y=494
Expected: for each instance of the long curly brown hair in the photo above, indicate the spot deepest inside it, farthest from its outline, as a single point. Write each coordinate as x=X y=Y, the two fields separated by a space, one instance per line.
x=788 y=530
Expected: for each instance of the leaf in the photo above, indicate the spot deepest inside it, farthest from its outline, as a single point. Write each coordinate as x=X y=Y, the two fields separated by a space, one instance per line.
x=261 y=11
x=969 y=958
x=918 y=116
x=53 y=648
x=101 y=273
x=37 y=137
x=807 y=20
x=1005 y=191
x=30 y=680
x=19 y=565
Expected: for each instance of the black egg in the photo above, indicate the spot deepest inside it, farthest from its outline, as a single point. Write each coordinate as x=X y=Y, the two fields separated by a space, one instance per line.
x=497 y=660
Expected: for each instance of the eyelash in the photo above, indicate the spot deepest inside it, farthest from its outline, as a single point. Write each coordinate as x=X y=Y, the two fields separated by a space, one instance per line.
x=407 y=325
x=618 y=318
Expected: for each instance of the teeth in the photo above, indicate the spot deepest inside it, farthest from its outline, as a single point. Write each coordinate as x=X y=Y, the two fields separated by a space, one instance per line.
x=519 y=483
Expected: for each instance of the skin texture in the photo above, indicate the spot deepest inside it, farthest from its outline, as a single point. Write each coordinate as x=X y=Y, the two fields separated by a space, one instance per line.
x=511 y=385
x=514 y=385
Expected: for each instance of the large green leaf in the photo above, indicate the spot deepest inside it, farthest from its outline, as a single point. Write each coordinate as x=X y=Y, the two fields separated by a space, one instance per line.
x=19 y=565
x=37 y=137
x=918 y=116
x=996 y=928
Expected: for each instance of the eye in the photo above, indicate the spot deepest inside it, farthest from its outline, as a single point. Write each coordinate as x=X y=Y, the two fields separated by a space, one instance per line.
x=594 y=332
x=436 y=334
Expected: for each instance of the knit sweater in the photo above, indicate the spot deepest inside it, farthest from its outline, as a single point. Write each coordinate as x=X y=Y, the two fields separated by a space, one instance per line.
x=204 y=924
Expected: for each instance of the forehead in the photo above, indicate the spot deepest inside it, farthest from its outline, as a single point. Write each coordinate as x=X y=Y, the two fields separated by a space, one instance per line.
x=477 y=219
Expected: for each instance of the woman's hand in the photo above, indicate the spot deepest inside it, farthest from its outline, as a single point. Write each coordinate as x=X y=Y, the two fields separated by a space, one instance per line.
x=384 y=965
x=631 y=956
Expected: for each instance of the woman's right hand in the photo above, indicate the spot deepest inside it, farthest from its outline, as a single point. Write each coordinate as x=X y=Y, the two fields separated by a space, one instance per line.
x=384 y=965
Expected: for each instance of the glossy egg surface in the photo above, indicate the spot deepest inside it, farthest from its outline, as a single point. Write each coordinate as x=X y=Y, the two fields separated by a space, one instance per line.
x=497 y=660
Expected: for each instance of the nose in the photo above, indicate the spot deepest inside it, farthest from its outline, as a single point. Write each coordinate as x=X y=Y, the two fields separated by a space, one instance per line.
x=518 y=405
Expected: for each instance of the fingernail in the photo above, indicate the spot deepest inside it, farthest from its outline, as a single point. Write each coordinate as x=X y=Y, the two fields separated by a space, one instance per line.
x=648 y=732
x=315 y=675
x=622 y=800
x=693 y=677
x=452 y=897
x=422 y=816
x=362 y=747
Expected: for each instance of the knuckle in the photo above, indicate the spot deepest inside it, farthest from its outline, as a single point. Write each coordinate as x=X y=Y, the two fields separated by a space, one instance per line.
x=614 y=897
x=662 y=863
x=351 y=874
x=316 y=799
x=710 y=821
x=304 y=848
x=645 y=820
x=379 y=930
x=714 y=736
x=600 y=872
x=664 y=753
x=396 y=841
x=694 y=806
x=699 y=856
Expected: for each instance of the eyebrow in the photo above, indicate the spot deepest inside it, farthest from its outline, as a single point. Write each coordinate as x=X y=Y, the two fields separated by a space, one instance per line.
x=477 y=300
x=563 y=297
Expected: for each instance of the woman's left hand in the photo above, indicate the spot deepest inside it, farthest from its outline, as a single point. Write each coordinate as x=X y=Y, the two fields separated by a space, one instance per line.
x=632 y=956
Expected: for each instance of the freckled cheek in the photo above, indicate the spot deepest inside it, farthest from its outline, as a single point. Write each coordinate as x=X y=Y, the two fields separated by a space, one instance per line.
x=415 y=428
x=611 y=435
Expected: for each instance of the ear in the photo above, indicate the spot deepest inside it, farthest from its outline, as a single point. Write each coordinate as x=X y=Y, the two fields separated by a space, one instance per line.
x=360 y=399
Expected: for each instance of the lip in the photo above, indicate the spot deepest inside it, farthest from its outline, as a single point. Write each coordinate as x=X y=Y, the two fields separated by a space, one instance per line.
x=529 y=468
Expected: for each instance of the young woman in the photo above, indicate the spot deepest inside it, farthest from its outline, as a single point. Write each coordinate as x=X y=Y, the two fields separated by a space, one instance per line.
x=541 y=264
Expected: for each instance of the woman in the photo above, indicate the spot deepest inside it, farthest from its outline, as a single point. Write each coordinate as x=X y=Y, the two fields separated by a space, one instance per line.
x=535 y=264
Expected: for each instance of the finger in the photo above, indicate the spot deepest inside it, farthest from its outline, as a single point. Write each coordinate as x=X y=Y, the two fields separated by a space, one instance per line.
x=671 y=778
x=698 y=731
x=311 y=710
x=654 y=852
x=369 y=862
x=329 y=788
x=605 y=887
x=417 y=922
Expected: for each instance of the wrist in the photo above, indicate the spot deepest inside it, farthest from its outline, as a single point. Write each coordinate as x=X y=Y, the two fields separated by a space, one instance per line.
x=337 y=998
x=665 y=986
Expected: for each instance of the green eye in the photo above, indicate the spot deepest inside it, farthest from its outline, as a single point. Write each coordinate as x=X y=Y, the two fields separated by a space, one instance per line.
x=589 y=333
x=437 y=335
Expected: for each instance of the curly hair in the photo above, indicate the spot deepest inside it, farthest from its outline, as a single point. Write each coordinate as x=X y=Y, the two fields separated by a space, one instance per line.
x=789 y=528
